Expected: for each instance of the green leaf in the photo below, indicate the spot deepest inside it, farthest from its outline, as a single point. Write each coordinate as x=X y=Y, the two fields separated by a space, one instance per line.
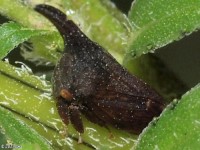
x=27 y=17
x=19 y=134
x=23 y=14
x=178 y=126
x=157 y=23
x=12 y=34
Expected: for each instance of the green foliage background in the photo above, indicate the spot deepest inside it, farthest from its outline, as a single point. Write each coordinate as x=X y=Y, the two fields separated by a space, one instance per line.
x=28 y=116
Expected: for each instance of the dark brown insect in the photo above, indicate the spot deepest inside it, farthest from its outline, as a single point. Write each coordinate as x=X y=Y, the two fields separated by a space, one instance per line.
x=89 y=81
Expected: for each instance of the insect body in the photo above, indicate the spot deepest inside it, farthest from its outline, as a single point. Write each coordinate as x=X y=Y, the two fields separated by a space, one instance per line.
x=89 y=81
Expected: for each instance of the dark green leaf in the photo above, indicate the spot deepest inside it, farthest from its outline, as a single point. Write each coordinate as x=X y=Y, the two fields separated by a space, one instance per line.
x=177 y=128
x=157 y=23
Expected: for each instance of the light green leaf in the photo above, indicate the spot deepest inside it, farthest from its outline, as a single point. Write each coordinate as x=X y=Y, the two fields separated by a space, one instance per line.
x=18 y=134
x=157 y=23
x=12 y=34
x=178 y=126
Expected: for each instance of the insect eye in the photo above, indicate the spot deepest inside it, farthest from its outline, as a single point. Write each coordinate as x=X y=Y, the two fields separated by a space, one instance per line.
x=66 y=95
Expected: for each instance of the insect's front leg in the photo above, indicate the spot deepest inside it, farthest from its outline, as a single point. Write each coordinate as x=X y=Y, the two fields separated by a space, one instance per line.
x=63 y=110
x=75 y=119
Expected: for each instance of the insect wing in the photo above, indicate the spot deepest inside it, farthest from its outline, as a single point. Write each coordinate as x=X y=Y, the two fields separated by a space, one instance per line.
x=123 y=111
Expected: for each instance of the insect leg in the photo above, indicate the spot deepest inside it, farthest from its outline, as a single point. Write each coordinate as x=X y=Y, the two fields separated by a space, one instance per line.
x=63 y=110
x=75 y=118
